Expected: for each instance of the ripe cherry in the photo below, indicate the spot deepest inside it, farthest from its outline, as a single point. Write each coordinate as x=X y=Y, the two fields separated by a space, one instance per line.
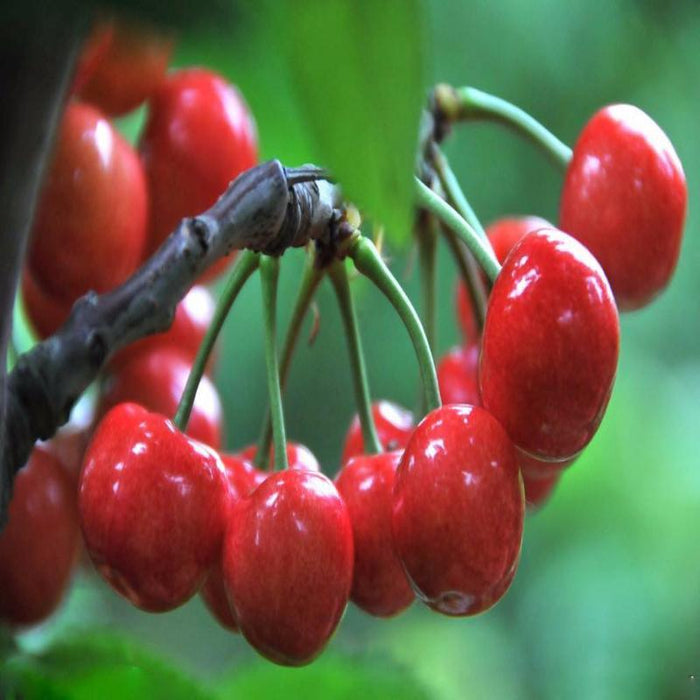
x=550 y=346
x=458 y=376
x=193 y=316
x=45 y=311
x=199 y=136
x=394 y=426
x=625 y=198
x=458 y=510
x=156 y=381
x=39 y=544
x=153 y=505
x=287 y=565
x=90 y=226
x=379 y=584
x=128 y=69
x=538 y=491
x=93 y=51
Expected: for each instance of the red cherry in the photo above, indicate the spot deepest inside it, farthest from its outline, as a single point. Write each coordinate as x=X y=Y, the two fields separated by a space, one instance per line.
x=625 y=198
x=458 y=376
x=287 y=564
x=156 y=380
x=379 y=584
x=193 y=316
x=503 y=234
x=550 y=346
x=90 y=227
x=39 y=544
x=539 y=469
x=298 y=457
x=45 y=311
x=538 y=491
x=153 y=504
x=130 y=67
x=458 y=510
x=199 y=136
x=93 y=52
x=394 y=426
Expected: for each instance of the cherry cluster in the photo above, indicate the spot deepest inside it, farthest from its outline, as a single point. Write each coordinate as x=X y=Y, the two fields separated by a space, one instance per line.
x=432 y=510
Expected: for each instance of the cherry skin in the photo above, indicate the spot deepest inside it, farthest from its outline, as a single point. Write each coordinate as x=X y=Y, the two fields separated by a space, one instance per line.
x=93 y=51
x=503 y=234
x=193 y=316
x=458 y=510
x=287 y=564
x=128 y=69
x=538 y=491
x=625 y=199
x=153 y=506
x=199 y=136
x=550 y=346
x=379 y=584
x=46 y=312
x=156 y=381
x=458 y=376
x=39 y=544
x=393 y=424
x=90 y=226
x=243 y=478
x=298 y=457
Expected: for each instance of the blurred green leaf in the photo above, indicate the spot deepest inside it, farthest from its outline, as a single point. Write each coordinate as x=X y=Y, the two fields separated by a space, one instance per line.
x=95 y=665
x=357 y=66
x=334 y=678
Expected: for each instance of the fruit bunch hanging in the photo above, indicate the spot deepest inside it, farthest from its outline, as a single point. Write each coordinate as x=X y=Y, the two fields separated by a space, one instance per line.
x=429 y=506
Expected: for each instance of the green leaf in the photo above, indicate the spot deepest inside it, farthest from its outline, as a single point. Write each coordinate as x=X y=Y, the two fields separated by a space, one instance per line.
x=357 y=66
x=332 y=677
x=95 y=665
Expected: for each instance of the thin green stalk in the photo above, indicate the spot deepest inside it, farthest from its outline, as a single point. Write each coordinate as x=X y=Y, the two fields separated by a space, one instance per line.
x=269 y=274
x=427 y=256
x=475 y=104
x=311 y=277
x=245 y=265
x=455 y=194
x=339 y=278
x=484 y=255
x=368 y=261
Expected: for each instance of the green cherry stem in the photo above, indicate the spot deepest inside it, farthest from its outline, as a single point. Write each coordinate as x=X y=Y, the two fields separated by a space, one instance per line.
x=311 y=278
x=369 y=262
x=483 y=253
x=427 y=256
x=339 y=278
x=244 y=267
x=475 y=104
x=269 y=274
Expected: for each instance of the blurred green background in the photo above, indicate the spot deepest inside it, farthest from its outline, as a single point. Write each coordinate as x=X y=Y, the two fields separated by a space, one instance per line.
x=606 y=602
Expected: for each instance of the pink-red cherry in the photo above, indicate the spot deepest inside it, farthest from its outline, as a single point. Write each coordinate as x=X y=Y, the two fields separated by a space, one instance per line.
x=379 y=584
x=199 y=136
x=287 y=565
x=625 y=198
x=538 y=491
x=91 y=54
x=156 y=381
x=458 y=376
x=458 y=510
x=46 y=312
x=393 y=424
x=127 y=70
x=193 y=316
x=90 y=226
x=550 y=346
x=39 y=544
x=298 y=457
x=153 y=506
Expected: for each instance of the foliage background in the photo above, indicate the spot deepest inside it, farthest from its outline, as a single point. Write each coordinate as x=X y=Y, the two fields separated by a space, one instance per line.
x=606 y=601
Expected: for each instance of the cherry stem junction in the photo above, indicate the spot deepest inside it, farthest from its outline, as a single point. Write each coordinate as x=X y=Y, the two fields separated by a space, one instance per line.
x=310 y=280
x=483 y=253
x=339 y=278
x=269 y=274
x=244 y=267
x=369 y=262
